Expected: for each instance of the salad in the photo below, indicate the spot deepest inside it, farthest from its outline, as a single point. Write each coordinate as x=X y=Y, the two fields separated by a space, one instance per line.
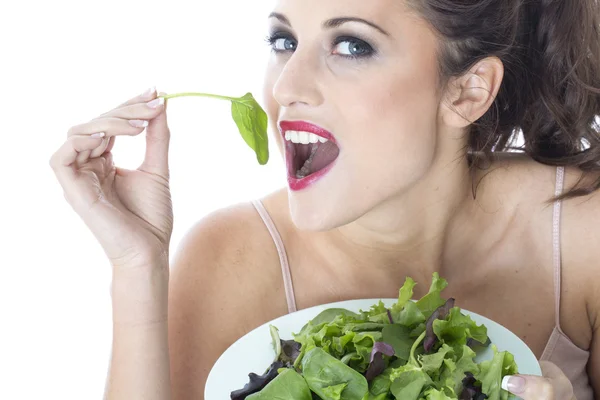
x=414 y=350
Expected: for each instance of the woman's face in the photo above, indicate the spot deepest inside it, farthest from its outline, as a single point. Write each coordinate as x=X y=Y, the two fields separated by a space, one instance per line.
x=372 y=85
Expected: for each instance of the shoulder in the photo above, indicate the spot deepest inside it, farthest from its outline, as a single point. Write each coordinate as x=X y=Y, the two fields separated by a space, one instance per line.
x=224 y=282
x=530 y=186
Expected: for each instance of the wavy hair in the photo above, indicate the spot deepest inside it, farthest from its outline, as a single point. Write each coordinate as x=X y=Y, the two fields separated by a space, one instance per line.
x=551 y=87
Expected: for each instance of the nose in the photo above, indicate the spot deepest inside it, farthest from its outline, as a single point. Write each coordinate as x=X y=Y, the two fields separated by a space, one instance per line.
x=298 y=81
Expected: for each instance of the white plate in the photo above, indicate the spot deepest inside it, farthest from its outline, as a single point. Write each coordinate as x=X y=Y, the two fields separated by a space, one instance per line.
x=254 y=351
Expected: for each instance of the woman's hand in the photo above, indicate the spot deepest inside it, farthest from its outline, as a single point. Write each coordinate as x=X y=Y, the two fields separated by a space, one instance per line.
x=554 y=385
x=129 y=211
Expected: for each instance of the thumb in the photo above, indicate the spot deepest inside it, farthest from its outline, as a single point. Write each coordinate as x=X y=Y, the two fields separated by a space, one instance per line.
x=158 y=135
x=554 y=385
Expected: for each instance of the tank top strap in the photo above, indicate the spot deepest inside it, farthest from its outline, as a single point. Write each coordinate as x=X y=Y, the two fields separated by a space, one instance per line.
x=283 y=259
x=556 y=245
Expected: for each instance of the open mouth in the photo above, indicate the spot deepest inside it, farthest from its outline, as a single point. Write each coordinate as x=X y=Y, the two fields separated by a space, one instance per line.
x=308 y=153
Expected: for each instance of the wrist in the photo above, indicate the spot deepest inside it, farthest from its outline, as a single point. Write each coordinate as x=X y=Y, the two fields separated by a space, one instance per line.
x=140 y=295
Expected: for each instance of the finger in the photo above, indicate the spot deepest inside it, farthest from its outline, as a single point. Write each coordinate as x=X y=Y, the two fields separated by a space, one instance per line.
x=63 y=159
x=111 y=126
x=145 y=110
x=82 y=158
x=110 y=145
x=158 y=135
x=149 y=94
x=553 y=385
x=98 y=151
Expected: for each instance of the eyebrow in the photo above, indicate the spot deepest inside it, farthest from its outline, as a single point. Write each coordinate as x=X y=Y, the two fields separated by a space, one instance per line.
x=332 y=23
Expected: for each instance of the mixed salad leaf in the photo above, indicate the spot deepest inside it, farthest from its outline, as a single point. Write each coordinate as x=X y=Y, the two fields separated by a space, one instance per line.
x=414 y=350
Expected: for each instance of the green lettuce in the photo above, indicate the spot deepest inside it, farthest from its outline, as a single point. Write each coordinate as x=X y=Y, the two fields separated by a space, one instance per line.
x=413 y=350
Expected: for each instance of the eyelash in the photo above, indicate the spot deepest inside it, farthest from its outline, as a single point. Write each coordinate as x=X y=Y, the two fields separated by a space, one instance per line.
x=272 y=39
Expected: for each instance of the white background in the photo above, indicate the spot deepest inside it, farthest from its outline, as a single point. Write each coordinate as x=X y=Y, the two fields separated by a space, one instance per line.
x=63 y=63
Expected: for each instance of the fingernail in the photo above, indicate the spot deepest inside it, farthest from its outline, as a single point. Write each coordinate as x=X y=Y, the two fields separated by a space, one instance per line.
x=156 y=102
x=514 y=384
x=138 y=123
x=98 y=135
x=149 y=92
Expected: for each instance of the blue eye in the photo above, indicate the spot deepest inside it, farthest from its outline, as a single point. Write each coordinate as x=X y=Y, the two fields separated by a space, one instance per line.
x=343 y=46
x=282 y=42
x=352 y=48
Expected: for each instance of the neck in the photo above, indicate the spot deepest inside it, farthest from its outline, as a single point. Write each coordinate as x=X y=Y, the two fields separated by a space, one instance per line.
x=416 y=230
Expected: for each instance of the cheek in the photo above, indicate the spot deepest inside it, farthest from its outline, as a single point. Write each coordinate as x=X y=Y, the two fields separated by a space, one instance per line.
x=271 y=105
x=396 y=128
x=401 y=114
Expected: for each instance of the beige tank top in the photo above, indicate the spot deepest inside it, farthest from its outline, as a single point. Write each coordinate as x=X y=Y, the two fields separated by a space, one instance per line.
x=560 y=349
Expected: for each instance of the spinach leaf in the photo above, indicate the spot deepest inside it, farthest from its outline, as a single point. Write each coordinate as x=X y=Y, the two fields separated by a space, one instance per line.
x=398 y=336
x=249 y=117
x=289 y=385
x=409 y=383
x=251 y=121
x=323 y=371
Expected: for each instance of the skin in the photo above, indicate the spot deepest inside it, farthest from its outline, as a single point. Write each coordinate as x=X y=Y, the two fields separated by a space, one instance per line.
x=408 y=210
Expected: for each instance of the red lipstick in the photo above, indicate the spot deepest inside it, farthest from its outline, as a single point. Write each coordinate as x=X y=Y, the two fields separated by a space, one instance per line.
x=295 y=183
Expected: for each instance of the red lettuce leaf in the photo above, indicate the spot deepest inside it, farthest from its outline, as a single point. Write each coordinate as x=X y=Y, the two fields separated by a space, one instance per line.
x=377 y=364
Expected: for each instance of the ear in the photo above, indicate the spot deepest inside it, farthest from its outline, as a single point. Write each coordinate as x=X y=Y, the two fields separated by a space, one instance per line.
x=469 y=96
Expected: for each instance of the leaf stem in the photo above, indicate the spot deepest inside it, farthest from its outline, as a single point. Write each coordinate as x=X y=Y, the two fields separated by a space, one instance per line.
x=416 y=344
x=184 y=94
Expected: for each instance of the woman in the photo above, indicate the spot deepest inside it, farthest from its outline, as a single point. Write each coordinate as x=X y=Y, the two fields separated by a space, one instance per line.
x=395 y=117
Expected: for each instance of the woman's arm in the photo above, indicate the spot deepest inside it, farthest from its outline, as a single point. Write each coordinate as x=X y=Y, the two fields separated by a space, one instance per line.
x=139 y=366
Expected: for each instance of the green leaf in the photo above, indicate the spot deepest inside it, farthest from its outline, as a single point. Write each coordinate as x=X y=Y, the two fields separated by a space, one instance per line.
x=492 y=372
x=410 y=315
x=335 y=392
x=322 y=370
x=331 y=315
x=249 y=117
x=276 y=341
x=398 y=336
x=378 y=313
x=431 y=363
x=432 y=300
x=289 y=385
x=434 y=394
x=457 y=328
x=381 y=384
x=405 y=294
x=409 y=384
x=454 y=371
x=251 y=121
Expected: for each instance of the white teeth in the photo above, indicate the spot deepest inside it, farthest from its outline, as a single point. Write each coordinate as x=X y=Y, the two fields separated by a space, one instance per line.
x=294 y=137
x=303 y=137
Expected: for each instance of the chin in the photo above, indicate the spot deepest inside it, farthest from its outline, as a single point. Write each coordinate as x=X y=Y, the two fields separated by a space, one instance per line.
x=307 y=218
x=321 y=208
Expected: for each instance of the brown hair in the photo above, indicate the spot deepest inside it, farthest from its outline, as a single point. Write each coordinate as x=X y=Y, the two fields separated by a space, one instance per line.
x=551 y=87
